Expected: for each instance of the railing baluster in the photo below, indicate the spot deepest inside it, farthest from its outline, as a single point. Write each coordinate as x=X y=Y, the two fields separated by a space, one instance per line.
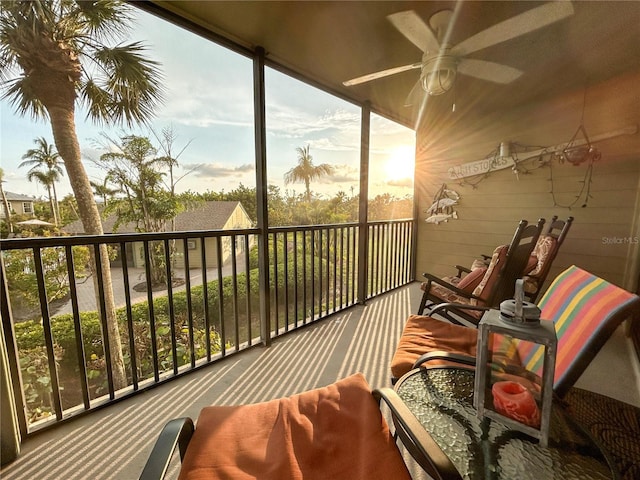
x=48 y=335
x=354 y=266
x=384 y=270
x=397 y=255
x=127 y=296
x=335 y=268
x=152 y=317
x=348 y=266
x=106 y=341
x=320 y=253
x=187 y=281
x=313 y=274
x=275 y=283
x=409 y=249
x=389 y=262
x=205 y=297
x=172 y=316
x=403 y=257
x=328 y=263
x=285 y=261
x=341 y=267
x=247 y=277
x=223 y=336
x=379 y=260
x=234 y=279
x=295 y=278
x=77 y=327
x=304 y=277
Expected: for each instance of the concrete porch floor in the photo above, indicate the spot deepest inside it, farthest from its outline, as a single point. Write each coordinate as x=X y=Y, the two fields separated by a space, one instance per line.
x=114 y=442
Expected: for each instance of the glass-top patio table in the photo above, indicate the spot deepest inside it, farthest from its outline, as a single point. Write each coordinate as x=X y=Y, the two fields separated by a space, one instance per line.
x=441 y=398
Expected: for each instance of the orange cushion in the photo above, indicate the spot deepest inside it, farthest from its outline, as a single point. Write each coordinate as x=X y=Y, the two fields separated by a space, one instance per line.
x=471 y=280
x=335 y=432
x=424 y=334
x=483 y=290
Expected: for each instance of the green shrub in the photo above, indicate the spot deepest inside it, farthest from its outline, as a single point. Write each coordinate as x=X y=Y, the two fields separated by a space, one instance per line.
x=30 y=336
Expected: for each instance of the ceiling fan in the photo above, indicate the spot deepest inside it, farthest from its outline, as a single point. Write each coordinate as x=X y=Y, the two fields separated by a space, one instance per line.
x=441 y=61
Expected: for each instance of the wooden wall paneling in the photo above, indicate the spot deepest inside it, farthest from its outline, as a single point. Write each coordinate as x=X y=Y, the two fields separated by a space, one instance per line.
x=490 y=210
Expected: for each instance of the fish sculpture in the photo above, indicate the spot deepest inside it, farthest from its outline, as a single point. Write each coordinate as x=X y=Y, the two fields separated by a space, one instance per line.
x=441 y=217
x=451 y=193
x=442 y=204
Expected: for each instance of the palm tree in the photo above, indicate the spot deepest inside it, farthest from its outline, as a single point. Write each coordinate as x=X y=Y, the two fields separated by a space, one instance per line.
x=5 y=203
x=54 y=55
x=103 y=190
x=306 y=171
x=47 y=179
x=45 y=167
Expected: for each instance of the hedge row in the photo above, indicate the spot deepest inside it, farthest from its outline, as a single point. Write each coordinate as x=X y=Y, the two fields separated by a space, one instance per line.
x=30 y=336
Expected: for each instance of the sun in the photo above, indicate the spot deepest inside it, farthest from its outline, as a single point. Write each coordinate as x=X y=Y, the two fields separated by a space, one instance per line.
x=400 y=164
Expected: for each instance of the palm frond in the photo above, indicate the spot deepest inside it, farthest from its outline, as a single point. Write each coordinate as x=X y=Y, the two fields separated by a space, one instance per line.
x=106 y=19
x=97 y=101
x=21 y=96
x=134 y=82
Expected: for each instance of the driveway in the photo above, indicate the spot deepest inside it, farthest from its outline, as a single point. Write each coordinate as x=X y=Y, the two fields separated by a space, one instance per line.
x=87 y=298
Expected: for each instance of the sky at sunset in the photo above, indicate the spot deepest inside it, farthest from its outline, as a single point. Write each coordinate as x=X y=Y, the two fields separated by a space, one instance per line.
x=208 y=102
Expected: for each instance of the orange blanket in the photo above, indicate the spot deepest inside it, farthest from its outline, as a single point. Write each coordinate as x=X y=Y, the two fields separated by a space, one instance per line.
x=335 y=432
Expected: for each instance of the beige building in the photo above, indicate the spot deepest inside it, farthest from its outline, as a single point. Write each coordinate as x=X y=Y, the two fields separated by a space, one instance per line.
x=18 y=203
x=207 y=217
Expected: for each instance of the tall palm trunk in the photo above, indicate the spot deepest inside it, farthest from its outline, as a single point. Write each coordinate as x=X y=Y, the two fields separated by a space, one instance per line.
x=56 y=208
x=7 y=209
x=51 y=205
x=66 y=140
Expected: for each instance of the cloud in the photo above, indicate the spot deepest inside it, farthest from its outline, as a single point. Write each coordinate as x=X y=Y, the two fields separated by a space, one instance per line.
x=294 y=121
x=216 y=170
x=401 y=182
x=206 y=106
x=330 y=144
x=341 y=174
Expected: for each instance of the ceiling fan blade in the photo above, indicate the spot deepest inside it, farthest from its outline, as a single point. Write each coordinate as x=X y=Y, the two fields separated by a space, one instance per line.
x=493 y=72
x=416 y=31
x=415 y=95
x=383 y=73
x=514 y=27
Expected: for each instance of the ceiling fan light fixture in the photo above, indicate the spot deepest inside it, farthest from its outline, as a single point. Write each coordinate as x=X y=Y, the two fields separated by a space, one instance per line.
x=438 y=75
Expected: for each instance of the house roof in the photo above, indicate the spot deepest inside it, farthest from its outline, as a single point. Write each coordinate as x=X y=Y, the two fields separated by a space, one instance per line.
x=206 y=216
x=18 y=197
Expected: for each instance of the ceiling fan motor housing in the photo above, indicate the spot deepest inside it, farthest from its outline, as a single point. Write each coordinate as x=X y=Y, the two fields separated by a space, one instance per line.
x=438 y=72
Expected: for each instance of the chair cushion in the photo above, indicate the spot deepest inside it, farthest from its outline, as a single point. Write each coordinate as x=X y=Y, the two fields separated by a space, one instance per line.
x=479 y=263
x=544 y=252
x=580 y=304
x=484 y=288
x=468 y=283
x=471 y=280
x=335 y=432
x=424 y=334
x=443 y=294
